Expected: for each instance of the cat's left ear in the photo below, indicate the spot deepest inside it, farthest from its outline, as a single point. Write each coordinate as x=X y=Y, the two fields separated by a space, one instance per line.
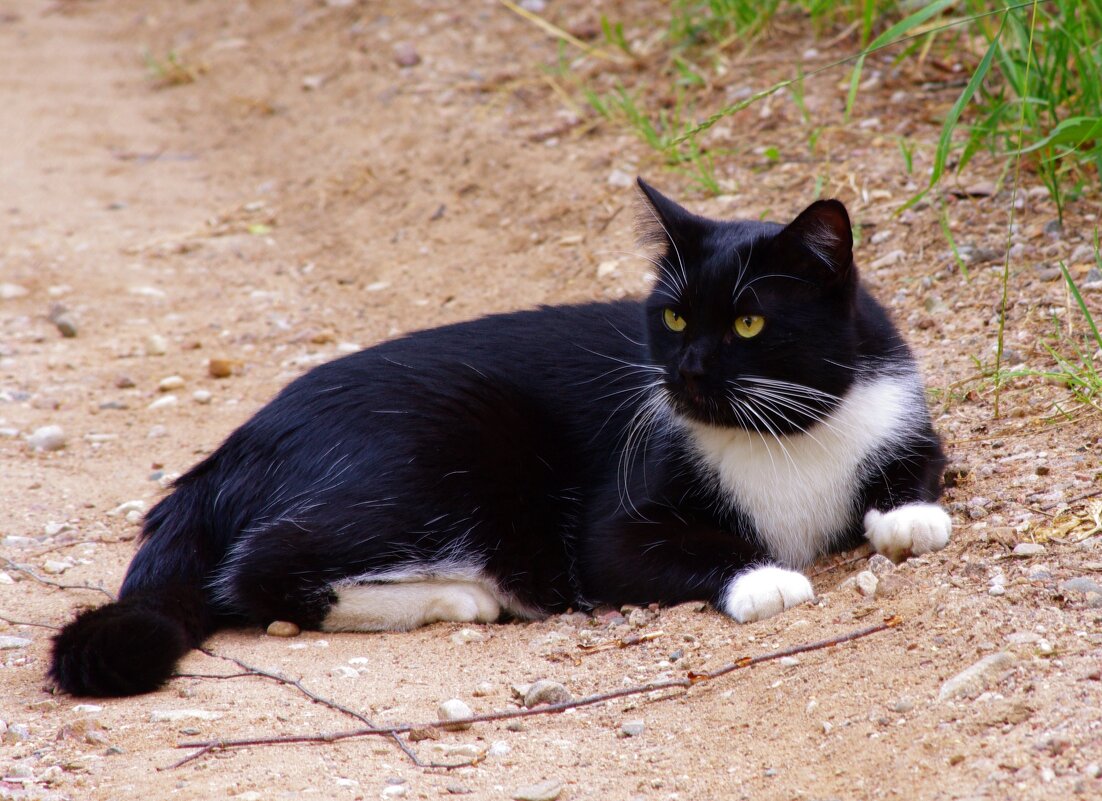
x=823 y=233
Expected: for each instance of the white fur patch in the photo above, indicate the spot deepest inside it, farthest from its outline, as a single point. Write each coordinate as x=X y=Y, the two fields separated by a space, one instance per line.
x=800 y=490
x=764 y=592
x=407 y=605
x=908 y=530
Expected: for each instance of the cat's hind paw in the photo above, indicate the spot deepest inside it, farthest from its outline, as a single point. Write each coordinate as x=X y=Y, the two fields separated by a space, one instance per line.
x=763 y=592
x=908 y=530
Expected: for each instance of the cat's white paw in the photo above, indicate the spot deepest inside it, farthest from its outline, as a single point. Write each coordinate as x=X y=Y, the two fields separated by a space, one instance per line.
x=463 y=603
x=908 y=530
x=764 y=592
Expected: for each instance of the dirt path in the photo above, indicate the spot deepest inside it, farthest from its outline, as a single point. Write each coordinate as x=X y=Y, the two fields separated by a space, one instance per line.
x=330 y=174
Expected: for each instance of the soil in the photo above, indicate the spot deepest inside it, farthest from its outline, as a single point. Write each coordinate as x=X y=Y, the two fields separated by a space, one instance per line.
x=276 y=184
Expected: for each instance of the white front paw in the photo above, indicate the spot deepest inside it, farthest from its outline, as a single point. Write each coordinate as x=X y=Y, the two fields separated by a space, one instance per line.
x=908 y=530
x=764 y=592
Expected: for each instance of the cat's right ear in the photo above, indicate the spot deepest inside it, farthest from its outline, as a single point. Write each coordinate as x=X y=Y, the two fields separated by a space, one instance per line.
x=663 y=223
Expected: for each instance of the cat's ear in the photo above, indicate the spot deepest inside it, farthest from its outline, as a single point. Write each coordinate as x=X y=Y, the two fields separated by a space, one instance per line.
x=822 y=233
x=663 y=223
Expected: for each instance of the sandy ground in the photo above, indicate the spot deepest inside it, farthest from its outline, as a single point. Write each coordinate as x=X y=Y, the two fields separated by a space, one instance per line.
x=291 y=191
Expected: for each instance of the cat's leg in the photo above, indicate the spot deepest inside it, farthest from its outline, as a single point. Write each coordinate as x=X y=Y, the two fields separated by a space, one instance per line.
x=761 y=592
x=400 y=606
x=908 y=530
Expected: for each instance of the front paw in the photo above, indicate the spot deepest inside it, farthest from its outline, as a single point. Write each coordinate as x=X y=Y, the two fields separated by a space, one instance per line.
x=764 y=592
x=908 y=530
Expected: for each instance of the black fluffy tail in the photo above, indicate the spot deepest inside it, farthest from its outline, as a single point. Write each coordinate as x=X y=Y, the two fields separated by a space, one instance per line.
x=131 y=646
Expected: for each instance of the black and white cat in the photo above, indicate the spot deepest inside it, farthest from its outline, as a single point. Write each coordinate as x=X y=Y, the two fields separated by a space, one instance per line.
x=757 y=411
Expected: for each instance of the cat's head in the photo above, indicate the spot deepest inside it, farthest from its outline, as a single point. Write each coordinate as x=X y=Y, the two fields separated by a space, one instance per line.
x=753 y=323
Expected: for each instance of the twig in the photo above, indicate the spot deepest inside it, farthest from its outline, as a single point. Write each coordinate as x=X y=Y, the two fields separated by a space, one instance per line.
x=559 y=33
x=252 y=670
x=28 y=572
x=28 y=623
x=621 y=642
x=62 y=546
x=688 y=681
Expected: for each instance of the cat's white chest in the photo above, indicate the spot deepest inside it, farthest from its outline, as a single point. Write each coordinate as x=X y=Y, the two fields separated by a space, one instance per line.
x=800 y=491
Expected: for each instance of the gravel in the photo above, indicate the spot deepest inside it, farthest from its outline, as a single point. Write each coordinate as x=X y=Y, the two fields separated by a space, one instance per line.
x=283 y=628
x=543 y=791
x=1081 y=584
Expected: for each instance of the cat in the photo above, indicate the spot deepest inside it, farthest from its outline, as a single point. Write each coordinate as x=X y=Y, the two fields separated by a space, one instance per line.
x=757 y=411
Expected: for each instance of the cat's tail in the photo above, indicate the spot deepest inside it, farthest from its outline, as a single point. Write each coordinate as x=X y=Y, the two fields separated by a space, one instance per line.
x=131 y=646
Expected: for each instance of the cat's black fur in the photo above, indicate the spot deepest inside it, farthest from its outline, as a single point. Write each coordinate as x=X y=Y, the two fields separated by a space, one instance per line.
x=541 y=445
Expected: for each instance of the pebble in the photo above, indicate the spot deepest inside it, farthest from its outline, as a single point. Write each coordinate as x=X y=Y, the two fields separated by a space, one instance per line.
x=19 y=772
x=394 y=791
x=170 y=383
x=55 y=567
x=65 y=325
x=406 y=55
x=344 y=672
x=87 y=709
x=12 y=291
x=454 y=788
x=880 y=565
x=464 y=636
x=1028 y=549
x=47 y=438
x=164 y=402
x=632 y=728
x=974 y=678
x=789 y=661
x=156 y=345
x=543 y=791
x=468 y=750
x=454 y=709
x=499 y=748
x=483 y=689
x=1081 y=584
x=123 y=381
x=201 y=396
x=8 y=642
x=175 y=715
x=888 y=259
x=5 y=578
x=866 y=583
x=282 y=628
x=620 y=179
x=223 y=368
x=903 y=705
x=546 y=692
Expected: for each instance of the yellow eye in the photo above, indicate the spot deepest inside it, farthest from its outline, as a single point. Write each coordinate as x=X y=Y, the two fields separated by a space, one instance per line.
x=749 y=325
x=673 y=320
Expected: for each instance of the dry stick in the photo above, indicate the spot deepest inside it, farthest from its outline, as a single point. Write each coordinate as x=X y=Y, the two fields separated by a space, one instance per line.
x=28 y=623
x=28 y=572
x=252 y=670
x=683 y=683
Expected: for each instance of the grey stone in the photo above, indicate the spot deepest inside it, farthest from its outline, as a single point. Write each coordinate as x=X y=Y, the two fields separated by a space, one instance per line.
x=632 y=728
x=1080 y=584
x=973 y=679
x=546 y=692
x=47 y=438
x=454 y=710
x=867 y=583
x=543 y=791
x=1028 y=549
x=7 y=642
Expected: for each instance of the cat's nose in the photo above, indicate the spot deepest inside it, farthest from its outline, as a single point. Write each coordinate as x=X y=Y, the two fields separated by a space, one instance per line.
x=690 y=376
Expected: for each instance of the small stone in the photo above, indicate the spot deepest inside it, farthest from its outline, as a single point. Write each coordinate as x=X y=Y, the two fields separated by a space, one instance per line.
x=8 y=643
x=1026 y=549
x=483 y=689
x=19 y=772
x=464 y=636
x=888 y=259
x=55 y=567
x=789 y=661
x=156 y=345
x=12 y=291
x=620 y=179
x=632 y=728
x=394 y=791
x=454 y=788
x=454 y=710
x=176 y=715
x=201 y=396
x=499 y=748
x=223 y=368
x=283 y=628
x=87 y=709
x=880 y=565
x=973 y=679
x=607 y=268
x=867 y=583
x=465 y=750
x=543 y=791
x=164 y=402
x=996 y=590
x=170 y=383
x=1081 y=584
x=123 y=381
x=406 y=55
x=546 y=692
x=5 y=578
x=344 y=672
x=47 y=438
x=903 y=705
x=978 y=189
x=1094 y=600
x=65 y=325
